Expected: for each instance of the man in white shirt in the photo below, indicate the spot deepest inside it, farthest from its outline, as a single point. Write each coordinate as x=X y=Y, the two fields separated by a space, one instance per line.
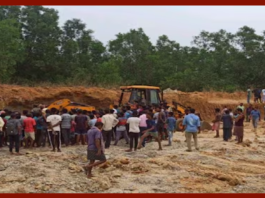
x=109 y=121
x=54 y=121
x=134 y=130
x=263 y=95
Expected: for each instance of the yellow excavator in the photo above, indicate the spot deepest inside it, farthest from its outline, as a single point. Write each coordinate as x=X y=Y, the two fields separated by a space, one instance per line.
x=151 y=95
x=69 y=105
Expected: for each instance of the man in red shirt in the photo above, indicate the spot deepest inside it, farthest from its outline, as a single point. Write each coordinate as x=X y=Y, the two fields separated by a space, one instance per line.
x=30 y=128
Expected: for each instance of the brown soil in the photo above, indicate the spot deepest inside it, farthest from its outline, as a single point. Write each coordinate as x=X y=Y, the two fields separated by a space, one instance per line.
x=218 y=167
x=18 y=97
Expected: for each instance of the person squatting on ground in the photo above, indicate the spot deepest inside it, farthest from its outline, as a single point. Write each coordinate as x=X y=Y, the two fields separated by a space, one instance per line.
x=95 y=148
x=150 y=131
x=227 y=125
x=54 y=121
x=191 y=124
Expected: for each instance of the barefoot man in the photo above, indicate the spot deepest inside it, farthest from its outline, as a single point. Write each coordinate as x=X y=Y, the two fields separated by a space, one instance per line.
x=151 y=130
x=95 y=148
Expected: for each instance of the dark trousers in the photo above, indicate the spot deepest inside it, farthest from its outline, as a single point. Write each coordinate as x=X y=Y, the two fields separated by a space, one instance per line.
x=14 y=139
x=44 y=137
x=133 y=137
x=226 y=133
x=39 y=137
x=1 y=138
x=66 y=136
x=56 y=139
x=141 y=133
x=107 y=137
x=119 y=135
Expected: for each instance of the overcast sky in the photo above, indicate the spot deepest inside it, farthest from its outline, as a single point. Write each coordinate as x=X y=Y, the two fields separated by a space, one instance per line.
x=179 y=23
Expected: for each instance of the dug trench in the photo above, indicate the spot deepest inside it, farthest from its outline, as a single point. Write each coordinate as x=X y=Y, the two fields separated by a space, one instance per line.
x=218 y=167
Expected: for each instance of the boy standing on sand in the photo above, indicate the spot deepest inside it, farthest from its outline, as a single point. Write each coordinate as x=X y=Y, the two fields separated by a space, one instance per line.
x=255 y=117
x=171 y=127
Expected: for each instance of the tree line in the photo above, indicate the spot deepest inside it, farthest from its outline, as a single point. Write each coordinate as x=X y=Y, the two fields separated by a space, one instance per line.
x=34 y=49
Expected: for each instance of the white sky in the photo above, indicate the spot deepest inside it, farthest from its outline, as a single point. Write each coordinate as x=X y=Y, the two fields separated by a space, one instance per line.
x=179 y=23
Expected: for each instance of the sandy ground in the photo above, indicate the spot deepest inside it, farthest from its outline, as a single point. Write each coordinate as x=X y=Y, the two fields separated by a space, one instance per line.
x=218 y=167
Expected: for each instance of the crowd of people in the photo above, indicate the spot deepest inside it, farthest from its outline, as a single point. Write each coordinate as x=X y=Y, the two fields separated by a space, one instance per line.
x=98 y=129
x=233 y=121
x=258 y=93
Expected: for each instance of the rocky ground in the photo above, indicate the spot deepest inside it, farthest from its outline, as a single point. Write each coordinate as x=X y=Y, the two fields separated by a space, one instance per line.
x=219 y=167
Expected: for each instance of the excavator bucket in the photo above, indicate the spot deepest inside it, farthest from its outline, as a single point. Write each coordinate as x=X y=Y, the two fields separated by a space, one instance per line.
x=67 y=104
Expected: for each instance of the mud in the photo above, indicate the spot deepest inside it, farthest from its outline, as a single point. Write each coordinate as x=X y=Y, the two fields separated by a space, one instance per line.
x=218 y=167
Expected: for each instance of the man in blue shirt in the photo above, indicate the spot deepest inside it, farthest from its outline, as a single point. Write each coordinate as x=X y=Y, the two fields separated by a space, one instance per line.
x=171 y=127
x=191 y=124
x=255 y=117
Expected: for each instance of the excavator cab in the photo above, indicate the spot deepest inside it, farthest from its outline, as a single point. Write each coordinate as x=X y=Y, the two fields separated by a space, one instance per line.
x=145 y=95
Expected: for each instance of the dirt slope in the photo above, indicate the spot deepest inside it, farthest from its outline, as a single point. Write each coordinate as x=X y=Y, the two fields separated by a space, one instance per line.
x=18 y=97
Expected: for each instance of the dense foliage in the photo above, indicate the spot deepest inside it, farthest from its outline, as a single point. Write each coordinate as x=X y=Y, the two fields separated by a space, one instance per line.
x=35 y=49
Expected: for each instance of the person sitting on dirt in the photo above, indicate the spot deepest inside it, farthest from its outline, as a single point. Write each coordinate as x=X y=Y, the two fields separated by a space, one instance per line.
x=150 y=131
x=216 y=122
x=191 y=124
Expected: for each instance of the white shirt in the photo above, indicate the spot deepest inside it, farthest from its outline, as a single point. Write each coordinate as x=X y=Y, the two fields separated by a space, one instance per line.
x=156 y=117
x=109 y=121
x=134 y=124
x=54 y=119
x=263 y=92
x=2 y=123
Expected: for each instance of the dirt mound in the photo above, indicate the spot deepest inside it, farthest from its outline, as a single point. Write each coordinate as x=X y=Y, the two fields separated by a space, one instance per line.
x=18 y=97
